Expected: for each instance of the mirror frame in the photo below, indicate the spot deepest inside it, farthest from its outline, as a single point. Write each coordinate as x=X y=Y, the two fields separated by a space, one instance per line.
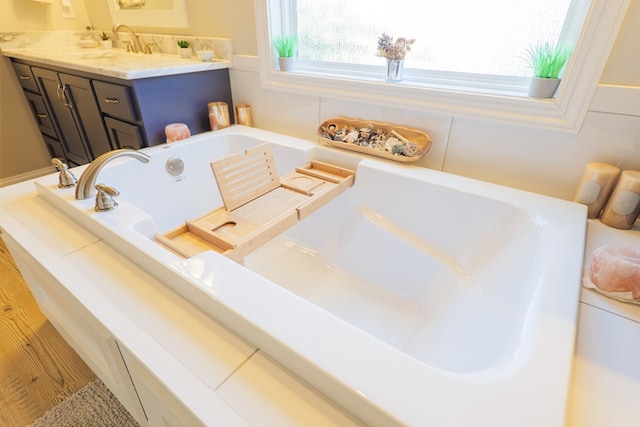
x=168 y=18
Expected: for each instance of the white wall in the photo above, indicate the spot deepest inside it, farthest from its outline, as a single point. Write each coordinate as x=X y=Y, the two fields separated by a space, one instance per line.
x=28 y=15
x=22 y=152
x=542 y=161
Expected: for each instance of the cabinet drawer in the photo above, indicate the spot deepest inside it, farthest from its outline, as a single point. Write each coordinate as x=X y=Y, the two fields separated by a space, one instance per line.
x=124 y=135
x=25 y=77
x=41 y=114
x=55 y=149
x=115 y=100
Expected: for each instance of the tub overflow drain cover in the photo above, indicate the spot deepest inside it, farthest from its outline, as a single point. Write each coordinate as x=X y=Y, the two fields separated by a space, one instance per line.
x=174 y=166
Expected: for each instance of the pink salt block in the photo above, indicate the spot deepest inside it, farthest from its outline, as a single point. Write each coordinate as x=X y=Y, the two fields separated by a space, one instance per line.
x=616 y=269
x=176 y=132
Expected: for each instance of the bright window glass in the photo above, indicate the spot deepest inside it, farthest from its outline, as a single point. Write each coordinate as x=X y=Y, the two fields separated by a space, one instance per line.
x=468 y=36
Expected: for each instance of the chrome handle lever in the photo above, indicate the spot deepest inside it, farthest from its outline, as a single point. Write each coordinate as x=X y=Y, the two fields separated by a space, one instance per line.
x=104 y=198
x=66 y=179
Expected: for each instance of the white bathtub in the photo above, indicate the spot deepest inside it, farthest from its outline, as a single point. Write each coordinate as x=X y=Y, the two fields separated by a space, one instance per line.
x=415 y=297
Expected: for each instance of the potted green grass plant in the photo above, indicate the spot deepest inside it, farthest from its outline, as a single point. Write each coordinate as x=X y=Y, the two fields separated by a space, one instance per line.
x=547 y=61
x=286 y=47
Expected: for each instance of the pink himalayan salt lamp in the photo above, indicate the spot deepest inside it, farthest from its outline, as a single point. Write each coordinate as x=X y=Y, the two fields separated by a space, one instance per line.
x=176 y=132
x=616 y=269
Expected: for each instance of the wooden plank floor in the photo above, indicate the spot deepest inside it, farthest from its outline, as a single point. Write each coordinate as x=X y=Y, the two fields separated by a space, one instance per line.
x=38 y=369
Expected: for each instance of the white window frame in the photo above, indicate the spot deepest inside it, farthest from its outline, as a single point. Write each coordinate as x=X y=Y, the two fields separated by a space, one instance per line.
x=470 y=96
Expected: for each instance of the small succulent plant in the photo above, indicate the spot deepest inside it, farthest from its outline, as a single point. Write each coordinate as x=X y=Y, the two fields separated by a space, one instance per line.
x=104 y=36
x=183 y=44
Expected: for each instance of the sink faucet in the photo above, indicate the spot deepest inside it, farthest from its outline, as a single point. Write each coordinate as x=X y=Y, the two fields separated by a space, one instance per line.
x=137 y=47
x=87 y=182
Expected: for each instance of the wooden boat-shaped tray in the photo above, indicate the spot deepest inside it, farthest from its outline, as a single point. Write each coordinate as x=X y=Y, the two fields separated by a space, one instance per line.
x=420 y=142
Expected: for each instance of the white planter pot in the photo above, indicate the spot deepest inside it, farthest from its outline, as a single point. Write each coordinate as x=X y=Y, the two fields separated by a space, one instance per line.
x=185 y=52
x=106 y=44
x=543 y=88
x=287 y=64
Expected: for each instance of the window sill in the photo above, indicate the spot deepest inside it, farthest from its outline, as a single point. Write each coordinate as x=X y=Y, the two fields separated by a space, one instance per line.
x=509 y=104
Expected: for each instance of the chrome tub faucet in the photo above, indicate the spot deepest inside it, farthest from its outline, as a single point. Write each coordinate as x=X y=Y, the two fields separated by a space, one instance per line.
x=87 y=181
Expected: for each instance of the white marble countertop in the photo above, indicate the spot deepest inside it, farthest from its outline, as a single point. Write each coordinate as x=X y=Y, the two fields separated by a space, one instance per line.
x=116 y=62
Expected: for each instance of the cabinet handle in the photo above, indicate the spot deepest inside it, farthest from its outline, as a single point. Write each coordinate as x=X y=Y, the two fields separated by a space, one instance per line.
x=112 y=100
x=41 y=116
x=24 y=77
x=62 y=96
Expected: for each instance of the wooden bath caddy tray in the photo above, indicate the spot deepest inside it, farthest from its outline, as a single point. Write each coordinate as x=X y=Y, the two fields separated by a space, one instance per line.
x=258 y=205
x=415 y=143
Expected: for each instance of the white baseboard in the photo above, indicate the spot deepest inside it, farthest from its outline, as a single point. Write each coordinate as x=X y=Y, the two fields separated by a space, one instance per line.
x=26 y=176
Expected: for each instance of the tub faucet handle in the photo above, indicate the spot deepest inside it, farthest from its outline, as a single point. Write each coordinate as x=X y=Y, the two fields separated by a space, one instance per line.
x=104 y=198
x=66 y=179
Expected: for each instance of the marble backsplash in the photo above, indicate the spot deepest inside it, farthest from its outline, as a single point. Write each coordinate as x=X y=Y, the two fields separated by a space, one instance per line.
x=159 y=43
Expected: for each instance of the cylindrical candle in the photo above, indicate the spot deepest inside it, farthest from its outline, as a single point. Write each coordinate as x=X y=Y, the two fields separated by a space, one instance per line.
x=595 y=186
x=623 y=206
x=219 y=115
x=243 y=115
x=176 y=132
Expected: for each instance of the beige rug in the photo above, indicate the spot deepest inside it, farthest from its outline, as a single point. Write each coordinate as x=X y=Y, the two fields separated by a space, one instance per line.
x=91 y=406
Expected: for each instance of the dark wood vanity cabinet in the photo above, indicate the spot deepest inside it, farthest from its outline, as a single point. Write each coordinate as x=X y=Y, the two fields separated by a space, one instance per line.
x=82 y=115
x=71 y=101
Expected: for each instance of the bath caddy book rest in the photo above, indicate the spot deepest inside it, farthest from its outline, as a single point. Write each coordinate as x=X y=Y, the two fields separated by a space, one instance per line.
x=258 y=204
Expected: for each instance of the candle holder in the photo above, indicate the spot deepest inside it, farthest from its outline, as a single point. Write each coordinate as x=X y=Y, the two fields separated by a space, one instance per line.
x=219 y=115
x=243 y=115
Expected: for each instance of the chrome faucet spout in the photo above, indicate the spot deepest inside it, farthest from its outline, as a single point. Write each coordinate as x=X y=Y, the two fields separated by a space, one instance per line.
x=137 y=46
x=87 y=182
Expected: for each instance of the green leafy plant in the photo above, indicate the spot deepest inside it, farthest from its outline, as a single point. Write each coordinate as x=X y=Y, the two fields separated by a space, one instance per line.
x=104 y=36
x=183 y=44
x=286 y=45
x=547 y=60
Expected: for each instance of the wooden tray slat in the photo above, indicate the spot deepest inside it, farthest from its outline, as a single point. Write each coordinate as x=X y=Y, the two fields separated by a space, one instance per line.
x=243 y=177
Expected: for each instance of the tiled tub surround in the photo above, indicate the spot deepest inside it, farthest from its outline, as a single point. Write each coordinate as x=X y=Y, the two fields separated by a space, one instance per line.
x=61 y=48
x=378 y=378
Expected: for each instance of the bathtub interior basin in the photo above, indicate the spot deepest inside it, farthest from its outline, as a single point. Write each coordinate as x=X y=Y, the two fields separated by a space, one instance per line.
x=408 y=296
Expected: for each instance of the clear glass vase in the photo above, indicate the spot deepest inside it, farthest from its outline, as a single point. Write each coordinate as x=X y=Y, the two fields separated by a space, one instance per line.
x=394 y=70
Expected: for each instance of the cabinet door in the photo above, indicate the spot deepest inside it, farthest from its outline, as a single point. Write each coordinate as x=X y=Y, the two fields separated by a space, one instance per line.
x=161 y=406
x=84 y=106
x=70 y=138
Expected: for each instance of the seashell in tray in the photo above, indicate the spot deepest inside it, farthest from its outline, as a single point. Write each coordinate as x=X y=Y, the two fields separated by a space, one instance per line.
x=385 y=140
